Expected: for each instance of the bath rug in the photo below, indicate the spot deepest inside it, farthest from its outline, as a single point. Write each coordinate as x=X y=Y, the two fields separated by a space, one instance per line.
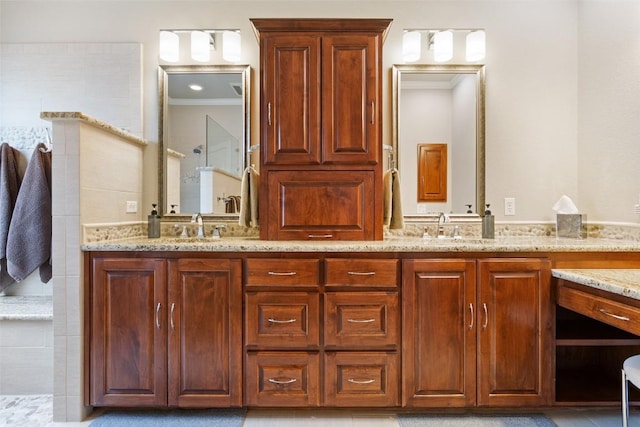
x=172 y=418
x=430 y=420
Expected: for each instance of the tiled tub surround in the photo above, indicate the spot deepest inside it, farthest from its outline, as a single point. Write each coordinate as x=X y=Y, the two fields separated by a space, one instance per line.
x=26 y=345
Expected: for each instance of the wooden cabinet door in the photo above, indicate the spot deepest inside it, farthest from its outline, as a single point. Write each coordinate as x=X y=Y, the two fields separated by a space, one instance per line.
x=439 y=339
x=291 y=99
x=351 y=110
x=515 y=334
x=128 y=332
x=205 y=333
x=321 y=205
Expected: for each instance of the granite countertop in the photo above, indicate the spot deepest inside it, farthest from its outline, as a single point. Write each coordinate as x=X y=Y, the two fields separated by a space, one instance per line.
x=618 y=281
x=392 y=244
x=34 y=307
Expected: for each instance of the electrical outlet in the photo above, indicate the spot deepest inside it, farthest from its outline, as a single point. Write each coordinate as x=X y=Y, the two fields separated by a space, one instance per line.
x=132 y=206
x=509 y=206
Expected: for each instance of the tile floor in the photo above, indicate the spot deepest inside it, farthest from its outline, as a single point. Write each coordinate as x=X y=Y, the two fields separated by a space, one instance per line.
x=36 y=411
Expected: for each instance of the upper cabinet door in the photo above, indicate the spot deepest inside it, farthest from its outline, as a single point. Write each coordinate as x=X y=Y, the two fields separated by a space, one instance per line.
x=351 y=99
x=291 y=99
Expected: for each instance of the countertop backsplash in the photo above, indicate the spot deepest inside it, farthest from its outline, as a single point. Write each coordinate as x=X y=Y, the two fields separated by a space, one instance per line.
x=95 y=233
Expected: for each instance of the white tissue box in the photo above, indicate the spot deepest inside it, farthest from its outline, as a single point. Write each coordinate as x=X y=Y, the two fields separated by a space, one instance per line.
x=571 y=226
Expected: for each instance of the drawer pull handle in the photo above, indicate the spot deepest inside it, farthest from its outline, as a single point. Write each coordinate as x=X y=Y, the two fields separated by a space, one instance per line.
x=276 y=381
x=158 y=316
x=272 y=320
x=355 y=381
x=269 y=113
x=361 y=320
x=615 y=316
x=284 y=273
x=320 y=236
x=471 y=310
x=363 y=273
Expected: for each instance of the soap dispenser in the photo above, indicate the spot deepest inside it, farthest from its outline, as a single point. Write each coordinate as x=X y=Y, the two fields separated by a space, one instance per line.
x=488 y=224
x=153 y=223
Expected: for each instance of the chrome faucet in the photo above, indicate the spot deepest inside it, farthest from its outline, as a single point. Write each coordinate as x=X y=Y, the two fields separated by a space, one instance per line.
x=442 y=218
x=197 y=218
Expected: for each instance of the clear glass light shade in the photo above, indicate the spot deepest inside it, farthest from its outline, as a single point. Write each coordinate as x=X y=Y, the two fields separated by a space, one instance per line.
x=442 y=46
x=476 y=46
x=411 y=46
x=231 y=48
x=169 y=46
x=200 y=49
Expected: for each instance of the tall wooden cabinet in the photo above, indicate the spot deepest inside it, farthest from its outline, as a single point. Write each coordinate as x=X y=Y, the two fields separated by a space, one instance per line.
x=321 y=114
x=165 y=332
x=477 y=333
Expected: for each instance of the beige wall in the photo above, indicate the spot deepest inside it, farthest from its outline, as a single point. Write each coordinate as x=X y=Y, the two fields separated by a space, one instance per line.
x=562 y=89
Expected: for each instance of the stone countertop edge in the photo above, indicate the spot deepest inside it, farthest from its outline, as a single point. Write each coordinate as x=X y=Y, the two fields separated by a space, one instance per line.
x=34 y=307
x=625 y=282
x=395 y=244
x=76 y=115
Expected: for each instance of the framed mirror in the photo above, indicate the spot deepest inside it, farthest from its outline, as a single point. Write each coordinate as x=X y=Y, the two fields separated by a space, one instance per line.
x=440 y=105
x=204 y=138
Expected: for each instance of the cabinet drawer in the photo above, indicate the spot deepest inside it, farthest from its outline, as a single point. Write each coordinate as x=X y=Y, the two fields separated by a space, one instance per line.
x=282 y=379
x=362 y=272
x=321 y=205
x=361 y=379
x=282 y=319
x=361 y=319
x=614 y=313
x=282 y=272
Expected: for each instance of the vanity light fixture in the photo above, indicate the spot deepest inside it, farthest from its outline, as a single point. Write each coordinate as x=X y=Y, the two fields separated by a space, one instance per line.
x=476 y=46
x=201 y=45
x=411 y=46
x=202 y=42
x=169 y=46
x=442 y=42
x=231 y=47
x=442 y=46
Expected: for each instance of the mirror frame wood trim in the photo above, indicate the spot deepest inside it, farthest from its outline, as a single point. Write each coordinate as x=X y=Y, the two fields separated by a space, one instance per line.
x=163 y=72
x=479 y=71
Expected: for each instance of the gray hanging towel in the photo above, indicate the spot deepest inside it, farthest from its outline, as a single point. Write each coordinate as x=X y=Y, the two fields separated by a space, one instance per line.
x=29 y=243
x=9 y=186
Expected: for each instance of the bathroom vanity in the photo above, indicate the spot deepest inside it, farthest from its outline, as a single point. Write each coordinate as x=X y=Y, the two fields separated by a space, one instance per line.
x=400 y=323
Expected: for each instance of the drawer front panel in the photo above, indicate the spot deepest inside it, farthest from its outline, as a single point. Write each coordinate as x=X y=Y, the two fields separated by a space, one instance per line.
x=362 y=272
x=282 y=272
x=361 y=379
x=361 y=319
x=611 y=312
x=282 y=379
x=282 y=320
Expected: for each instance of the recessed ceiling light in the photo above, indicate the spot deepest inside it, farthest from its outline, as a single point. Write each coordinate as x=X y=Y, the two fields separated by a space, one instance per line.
x=195 y=87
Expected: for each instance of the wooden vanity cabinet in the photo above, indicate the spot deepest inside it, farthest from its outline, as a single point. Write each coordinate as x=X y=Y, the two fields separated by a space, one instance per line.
x=321 y=92
x=477 y=333
x=322 y=332
x=361 y=322
x=282 y=332
x=165 y=332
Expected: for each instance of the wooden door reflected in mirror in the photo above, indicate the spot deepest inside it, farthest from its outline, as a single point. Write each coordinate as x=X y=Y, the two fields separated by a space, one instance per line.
x=432 y=172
